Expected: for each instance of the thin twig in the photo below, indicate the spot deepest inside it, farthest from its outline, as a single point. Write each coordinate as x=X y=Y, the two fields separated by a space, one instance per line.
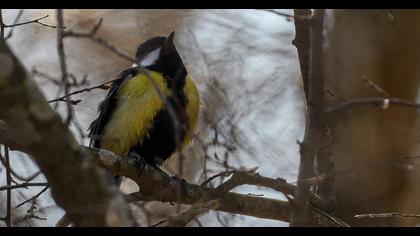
x=16 y=175
x=23 y=185
x=159 y=223
x=224 y=174
x=100 y=86
x=386 y=215
x=30 y=212
x=46 y=76
x=335 y=95
x=242 y=177
x=288 y=16
x=376 y=87
x=9 y=191
x=1 y=24
x=19 y=15
x=37 y=21
x=34 y=197
x=196 y=209
x=373 y=101
x=92 y=35
x=63 y=65
x=330 y=218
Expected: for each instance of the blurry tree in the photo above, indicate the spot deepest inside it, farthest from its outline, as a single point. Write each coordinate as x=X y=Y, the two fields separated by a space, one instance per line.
x=358 y=154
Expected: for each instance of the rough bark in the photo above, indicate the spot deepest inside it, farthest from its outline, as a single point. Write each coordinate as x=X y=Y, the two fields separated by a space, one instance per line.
x=77 y=185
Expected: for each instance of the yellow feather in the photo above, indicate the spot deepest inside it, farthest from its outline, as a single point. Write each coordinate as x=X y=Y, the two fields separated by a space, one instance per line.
x=138 y=104
x=192 y=108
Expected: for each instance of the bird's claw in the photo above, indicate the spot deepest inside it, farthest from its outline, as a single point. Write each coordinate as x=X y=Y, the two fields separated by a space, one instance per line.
x=179 y=180
x=140 y=162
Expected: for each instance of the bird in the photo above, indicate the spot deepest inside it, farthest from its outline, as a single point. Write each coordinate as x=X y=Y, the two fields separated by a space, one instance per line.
x=151 y=109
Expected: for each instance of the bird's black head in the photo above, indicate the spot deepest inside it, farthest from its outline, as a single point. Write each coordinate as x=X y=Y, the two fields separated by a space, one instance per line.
x=160 y=54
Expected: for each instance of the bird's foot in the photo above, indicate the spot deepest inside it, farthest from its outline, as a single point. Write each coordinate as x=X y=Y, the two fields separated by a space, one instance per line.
x=179 y=180
x=140 y=162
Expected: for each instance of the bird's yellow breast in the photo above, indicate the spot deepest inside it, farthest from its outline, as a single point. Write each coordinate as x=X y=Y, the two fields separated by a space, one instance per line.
x=138 y=103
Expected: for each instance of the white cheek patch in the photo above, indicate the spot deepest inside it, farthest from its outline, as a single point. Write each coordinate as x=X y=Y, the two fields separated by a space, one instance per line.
x=150 y=58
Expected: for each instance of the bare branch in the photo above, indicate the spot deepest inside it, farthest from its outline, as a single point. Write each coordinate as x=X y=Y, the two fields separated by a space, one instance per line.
x=34 y=124
x=100 y=86
x=316 y=146
x=302 y=43
x=222 y=174
x=63 y=65
x=1 y=24
x=373 y=101
x=9 y=192
x=383 y=102
x=330 y=218
x=156 y=186
x=376 y=87
x=30 y=213
x=197 y=208
x=386 y=215
x=19 y=15
x=37 y=21
x=23 y=185
x=34 y=197
x=288 y=17
x=335 y=95
x=249 y=177
x=92 y=36
x=16 y=175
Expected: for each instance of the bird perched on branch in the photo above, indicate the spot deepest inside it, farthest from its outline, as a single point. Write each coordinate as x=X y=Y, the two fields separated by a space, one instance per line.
x=151 y=110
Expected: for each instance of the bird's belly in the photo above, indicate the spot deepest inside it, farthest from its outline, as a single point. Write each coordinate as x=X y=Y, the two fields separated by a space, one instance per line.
x=131 y=122
x=141 y=124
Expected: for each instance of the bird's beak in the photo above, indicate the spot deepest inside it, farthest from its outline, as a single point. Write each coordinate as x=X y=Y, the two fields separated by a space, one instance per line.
x=169 y=46
x=171 y=37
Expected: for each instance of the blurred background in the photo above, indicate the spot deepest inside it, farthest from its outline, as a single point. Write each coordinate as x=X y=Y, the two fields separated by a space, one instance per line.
x=245 y=67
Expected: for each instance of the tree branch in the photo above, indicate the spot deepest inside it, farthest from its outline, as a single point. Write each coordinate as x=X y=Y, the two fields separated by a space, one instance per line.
x=316 y=145
x=1 y=24
x=74 y=102
x=156 y=186
x=288 y=17
x=92 y=36
x=302 y=43
x=197 y=208
x=74 y=179
x=33 y=198
x=373 y=101
x=19 y=15
x=23 y=185
x=386 y=215
x=9 y=192
x=249 y=177
x=63 y=65
x=36 y=21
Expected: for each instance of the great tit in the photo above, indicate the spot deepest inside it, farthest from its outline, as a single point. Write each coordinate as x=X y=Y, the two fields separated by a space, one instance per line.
x=151 y=109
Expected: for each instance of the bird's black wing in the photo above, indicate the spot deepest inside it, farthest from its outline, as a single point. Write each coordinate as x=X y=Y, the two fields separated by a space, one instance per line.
x=106 y=108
